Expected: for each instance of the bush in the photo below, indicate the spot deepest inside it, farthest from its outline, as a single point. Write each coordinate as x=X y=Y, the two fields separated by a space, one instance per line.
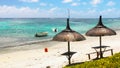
x=109 y=62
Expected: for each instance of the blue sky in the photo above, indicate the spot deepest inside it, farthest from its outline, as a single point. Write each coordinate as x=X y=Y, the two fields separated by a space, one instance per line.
x=58 y=8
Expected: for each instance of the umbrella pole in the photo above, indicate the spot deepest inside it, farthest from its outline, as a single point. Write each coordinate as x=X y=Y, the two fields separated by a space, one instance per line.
x=101 y=54
x=69 y=57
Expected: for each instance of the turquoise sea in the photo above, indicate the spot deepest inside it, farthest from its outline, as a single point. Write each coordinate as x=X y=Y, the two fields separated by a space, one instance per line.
x=23 y=29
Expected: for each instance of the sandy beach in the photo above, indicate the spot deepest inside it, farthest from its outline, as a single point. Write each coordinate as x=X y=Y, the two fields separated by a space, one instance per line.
x=34 y=56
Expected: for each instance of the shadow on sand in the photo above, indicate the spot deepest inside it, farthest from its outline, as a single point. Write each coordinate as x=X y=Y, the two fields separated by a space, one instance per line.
x=75 y=63
x=84 y=62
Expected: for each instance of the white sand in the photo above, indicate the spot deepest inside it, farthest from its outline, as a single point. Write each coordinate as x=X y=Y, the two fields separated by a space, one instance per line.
x=33 y=56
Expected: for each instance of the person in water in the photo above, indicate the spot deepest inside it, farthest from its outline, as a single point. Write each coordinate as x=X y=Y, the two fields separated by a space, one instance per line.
x=55 y=30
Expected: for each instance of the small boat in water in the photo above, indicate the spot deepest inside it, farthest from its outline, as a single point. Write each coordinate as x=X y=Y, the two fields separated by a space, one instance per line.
x=41 y=34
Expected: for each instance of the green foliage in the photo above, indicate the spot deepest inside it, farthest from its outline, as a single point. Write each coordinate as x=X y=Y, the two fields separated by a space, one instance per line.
x=109 y=62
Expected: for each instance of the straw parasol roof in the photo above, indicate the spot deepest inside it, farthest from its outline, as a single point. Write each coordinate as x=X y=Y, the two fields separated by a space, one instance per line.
x=68 y=35
x=100 y=30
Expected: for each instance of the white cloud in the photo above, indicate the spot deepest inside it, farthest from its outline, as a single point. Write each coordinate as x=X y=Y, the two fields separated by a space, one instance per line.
x=74 y=4
x=12 y=11
x=30 y=1
x=52 y=9
x=43 y=4
x=66 y=1
x=93 y=13
x=26 y=12
x=111 y=12
x=110 y=3
x=108 y=11
x=95 y=2
x=46 y=4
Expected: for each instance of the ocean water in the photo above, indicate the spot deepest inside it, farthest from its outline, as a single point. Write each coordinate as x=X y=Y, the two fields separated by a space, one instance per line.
x=20 y=30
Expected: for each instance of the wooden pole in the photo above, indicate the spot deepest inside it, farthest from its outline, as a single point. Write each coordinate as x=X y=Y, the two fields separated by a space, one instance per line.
x=101 y=54
x=69 y=57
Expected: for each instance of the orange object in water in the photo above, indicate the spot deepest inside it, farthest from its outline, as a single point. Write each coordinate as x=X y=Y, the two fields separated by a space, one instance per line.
x=46 y=50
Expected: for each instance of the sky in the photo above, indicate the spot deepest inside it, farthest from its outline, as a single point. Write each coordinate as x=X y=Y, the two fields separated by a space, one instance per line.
x=58 y=8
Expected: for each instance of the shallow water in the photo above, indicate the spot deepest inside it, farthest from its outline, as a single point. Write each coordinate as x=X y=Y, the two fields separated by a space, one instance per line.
x=18 y=30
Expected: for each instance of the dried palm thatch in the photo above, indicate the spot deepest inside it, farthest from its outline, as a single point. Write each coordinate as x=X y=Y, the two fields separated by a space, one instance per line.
x=68 y=35
x=100 y=30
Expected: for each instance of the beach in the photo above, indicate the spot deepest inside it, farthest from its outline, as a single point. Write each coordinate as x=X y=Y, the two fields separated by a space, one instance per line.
x=32 y=55
x=50 y=34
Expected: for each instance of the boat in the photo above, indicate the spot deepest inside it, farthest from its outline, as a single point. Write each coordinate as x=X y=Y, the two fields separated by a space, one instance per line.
x=41 y=34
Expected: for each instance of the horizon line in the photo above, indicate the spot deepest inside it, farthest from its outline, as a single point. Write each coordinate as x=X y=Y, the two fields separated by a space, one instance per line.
x=58 y=17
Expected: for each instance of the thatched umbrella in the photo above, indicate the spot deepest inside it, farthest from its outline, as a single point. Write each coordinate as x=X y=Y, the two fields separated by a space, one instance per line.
x=68 y=35
x=100 y=30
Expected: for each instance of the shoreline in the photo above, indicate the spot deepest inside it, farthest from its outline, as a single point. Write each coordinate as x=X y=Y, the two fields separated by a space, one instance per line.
x=31 y=43
x=25 y=46
x=14 y=42
x=22 y=43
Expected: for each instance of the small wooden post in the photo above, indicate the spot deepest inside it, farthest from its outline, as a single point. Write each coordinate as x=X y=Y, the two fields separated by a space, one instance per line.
x=89 y=56
x=111 y=51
